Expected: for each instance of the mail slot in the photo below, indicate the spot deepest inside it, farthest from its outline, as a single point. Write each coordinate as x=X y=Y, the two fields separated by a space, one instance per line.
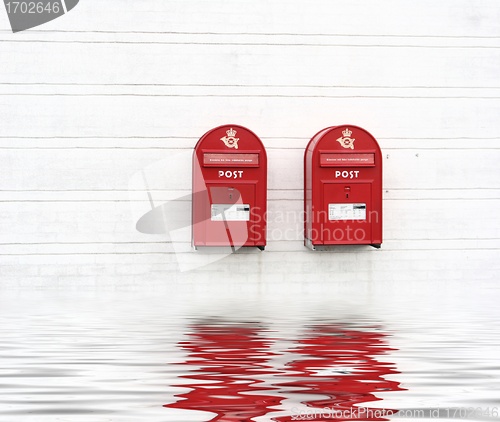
x=343 y=188
x=229 y=189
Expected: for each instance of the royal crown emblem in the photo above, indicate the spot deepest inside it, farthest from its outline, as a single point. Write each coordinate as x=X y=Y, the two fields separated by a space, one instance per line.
x=346 y=141
x=230 y=141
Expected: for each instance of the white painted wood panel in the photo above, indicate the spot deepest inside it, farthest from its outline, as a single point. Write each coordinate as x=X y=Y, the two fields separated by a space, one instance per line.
x=361 y=17
x=111 y=116
x=78 y=221
x=170 y=169
x=269 y=61
x=246 y=271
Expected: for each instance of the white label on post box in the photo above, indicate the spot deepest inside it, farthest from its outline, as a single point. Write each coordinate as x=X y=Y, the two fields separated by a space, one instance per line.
x=230 y=212
x=347 y=211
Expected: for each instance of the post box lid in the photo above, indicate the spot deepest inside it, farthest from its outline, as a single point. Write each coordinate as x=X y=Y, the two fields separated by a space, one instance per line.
x=347 y=159
x=230 y=159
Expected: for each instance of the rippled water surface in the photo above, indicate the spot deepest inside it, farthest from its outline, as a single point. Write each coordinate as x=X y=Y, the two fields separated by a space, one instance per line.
x=382 y=351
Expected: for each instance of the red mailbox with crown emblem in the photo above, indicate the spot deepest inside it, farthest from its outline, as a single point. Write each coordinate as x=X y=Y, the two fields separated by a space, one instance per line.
x=229 y=189
x=343 y=188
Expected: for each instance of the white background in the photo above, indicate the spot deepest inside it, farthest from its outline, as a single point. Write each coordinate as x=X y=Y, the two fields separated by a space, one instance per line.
x=106 y=103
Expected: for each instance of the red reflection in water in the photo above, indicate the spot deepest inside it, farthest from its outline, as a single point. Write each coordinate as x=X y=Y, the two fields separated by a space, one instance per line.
x=334 y=360
x=230 y=359
x=341 y=363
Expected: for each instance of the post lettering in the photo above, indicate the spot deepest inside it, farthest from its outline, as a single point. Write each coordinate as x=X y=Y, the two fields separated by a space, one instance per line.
x=231 y=174
x=352 y=174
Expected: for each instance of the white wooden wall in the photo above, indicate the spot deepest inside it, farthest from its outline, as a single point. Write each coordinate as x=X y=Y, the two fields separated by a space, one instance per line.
x=105 y=104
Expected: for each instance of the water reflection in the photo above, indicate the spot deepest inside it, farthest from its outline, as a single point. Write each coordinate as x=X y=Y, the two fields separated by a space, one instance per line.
x=340 y=362
x=332 y=369
x=229 y=361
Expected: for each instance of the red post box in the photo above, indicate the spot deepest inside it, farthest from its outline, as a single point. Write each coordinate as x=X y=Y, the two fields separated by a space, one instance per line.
x=343 y=188
x=229 y=189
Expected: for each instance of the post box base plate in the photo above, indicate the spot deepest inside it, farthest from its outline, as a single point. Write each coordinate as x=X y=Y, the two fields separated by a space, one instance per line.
x=316 y=247
x=226 y=249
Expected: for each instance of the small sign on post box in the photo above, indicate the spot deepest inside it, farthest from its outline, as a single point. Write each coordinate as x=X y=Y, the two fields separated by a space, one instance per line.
x=229 y=189
x=343 y=188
